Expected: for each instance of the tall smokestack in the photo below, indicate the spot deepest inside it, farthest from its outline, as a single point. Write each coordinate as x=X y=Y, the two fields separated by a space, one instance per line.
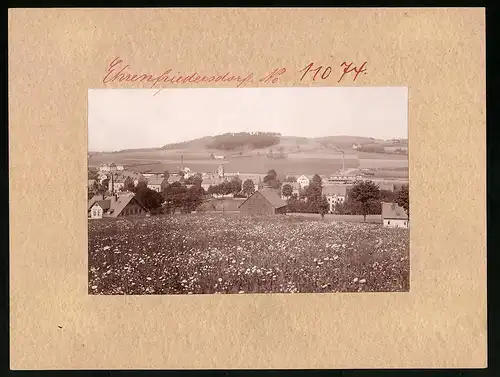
x=112 y=184
x=182 y=162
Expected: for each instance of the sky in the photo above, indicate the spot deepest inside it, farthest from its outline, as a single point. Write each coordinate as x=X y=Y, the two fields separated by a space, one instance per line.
x=147 y=118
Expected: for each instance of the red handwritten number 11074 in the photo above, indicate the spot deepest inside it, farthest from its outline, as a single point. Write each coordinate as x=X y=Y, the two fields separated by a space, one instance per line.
x=324 y=72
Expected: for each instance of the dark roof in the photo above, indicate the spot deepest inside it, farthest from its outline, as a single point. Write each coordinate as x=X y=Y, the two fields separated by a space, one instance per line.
x=271 y=195
x=331 y=190
x=155 y=180
x=104 y=204
x=393 y=211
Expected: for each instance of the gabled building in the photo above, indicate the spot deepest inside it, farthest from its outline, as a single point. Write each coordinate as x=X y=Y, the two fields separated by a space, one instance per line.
x=335 y=194
x=394 y=216
x=115 y=206
x=263 y=202
x=211 y=181
x=303 y=181
x=255 y=178
x=116 y=183
x=157 y=183
x=173 y=178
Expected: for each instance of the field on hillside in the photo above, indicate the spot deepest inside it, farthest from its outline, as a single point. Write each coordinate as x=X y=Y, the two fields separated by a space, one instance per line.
x=304 y=162
x=215 y=253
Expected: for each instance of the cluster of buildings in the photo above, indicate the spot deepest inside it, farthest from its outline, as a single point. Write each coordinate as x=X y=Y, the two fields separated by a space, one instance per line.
x=264 y=200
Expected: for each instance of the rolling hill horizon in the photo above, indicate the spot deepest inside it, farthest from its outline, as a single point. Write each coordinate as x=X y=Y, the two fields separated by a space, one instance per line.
x=255 y=141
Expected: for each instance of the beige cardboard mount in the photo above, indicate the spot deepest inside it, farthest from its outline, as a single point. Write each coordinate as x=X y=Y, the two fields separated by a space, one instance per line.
x=56 y=55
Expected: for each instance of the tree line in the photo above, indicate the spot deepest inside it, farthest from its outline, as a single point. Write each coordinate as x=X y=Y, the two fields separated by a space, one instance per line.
x=231 y=141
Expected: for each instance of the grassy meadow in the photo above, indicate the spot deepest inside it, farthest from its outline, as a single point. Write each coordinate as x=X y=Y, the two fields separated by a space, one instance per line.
x=223 y=253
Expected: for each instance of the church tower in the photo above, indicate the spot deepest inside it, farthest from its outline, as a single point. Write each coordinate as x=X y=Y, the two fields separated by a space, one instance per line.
x=220 y=171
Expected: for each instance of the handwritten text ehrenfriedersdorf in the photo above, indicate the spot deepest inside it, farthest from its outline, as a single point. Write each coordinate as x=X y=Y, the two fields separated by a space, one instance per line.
x=118 y=71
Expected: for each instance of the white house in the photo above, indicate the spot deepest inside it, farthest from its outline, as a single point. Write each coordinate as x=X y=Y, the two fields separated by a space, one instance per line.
x=101 y=177
x=394 y=216
x=157 y=183
x=335 y=194
x=104 y=167
x=116 y=183
x=114 y=206
x=303 y=181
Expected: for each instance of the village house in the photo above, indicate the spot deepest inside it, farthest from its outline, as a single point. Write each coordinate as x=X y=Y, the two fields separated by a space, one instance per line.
x=101 y=177
x=115 y=206
x=335 y=194
x=157 y=183
x=173 y=178
x=116 y=183
x=211 y=181
x=263 y=202
x=394 y=216
x=303 y=181
x=135 y=177
x=222 y=205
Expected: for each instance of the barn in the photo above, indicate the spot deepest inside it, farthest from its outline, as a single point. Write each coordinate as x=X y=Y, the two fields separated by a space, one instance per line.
x=394 y=216
x=263 y=202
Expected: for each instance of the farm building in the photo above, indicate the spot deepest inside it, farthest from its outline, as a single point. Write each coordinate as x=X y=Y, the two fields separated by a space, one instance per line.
x=157 y=183
x=303 y=181
x=255 y=178
x=114 y=206
x=263 y=202
x=116 y=183
x=335 y=194
x=394 y=216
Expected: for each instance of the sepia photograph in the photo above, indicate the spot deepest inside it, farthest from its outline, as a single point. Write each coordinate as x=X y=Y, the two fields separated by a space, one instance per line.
x=248 y=190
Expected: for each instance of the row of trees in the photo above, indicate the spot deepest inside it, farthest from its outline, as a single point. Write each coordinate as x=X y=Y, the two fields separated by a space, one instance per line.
x=231 y=141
